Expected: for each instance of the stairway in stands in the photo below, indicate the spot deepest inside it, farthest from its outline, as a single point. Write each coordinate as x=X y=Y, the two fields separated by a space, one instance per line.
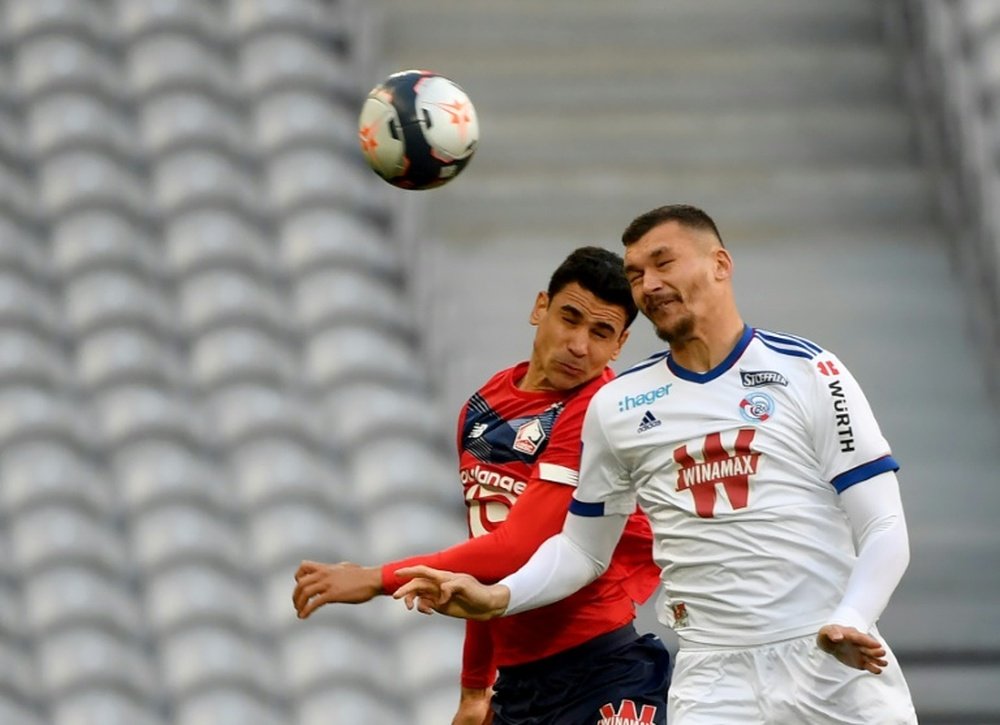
x=785 y=120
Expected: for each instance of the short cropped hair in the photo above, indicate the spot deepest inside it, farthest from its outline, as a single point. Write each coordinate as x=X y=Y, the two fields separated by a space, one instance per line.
x=684 y=214
x=600 y=272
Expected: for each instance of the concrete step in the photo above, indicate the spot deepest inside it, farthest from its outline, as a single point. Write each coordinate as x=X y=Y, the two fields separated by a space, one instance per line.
x=597 y=78
x=660 y=139
x=594 y=203
x=511 y=25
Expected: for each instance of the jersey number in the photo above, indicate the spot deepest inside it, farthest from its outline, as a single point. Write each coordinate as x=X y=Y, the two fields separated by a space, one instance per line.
x=718 y=465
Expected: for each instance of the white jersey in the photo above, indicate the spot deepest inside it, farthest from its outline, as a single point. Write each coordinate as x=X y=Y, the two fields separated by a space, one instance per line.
x=739 y=471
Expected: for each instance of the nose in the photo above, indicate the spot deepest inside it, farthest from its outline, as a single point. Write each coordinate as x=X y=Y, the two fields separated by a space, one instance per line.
x=651 y=283
x=578 y=342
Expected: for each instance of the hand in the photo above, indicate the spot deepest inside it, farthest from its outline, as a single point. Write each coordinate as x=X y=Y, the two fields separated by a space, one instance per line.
x=318 y=584
x=852 y=647
x=474 y=707
x=457 y=595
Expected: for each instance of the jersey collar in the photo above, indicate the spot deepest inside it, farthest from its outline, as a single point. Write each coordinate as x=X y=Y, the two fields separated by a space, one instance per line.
x=731 y=358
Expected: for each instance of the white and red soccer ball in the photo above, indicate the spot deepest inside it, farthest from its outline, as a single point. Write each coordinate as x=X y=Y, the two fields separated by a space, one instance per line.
x=418 y=129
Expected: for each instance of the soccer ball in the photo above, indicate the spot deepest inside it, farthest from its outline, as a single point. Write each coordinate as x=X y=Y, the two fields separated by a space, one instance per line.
x=418 y=129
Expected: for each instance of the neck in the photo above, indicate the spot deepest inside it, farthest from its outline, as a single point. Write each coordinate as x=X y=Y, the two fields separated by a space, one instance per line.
x=709 y=345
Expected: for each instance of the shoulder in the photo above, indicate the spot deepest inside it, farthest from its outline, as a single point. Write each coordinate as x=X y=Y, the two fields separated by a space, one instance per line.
x=789 y=345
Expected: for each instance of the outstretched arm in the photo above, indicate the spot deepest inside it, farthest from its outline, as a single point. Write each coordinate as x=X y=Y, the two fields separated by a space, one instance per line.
x=875 y=512
x=561 y=566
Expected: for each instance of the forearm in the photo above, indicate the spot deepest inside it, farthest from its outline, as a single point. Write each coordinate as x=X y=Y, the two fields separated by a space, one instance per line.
x=565 y=563
x=875 y=512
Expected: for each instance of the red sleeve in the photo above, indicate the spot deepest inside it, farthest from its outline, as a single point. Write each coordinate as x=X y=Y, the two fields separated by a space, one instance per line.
x=478 y=670
x=538 y=514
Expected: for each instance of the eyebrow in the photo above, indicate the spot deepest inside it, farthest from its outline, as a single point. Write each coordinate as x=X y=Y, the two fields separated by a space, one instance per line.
x=601 y=324
x=654 y=255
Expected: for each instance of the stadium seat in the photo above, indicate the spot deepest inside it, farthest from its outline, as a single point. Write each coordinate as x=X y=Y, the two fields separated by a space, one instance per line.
x=345 y=296
x=81 y=657
x=21 y=253
x=196 y=178
x=402 y=466
x=303 y=178
x=28 y=414
x=125 y=355
x=316 y=238
x=25 y=18
x=243 y=412
x=127 y=414
x=436 y=705
x=106 y=706
x=283 y=119
x=429 y=654
x=72 y=120
x=353 y=704
x=50 y=63
x=215 y=237
x=304 y=16
x=189 y=595
x=175 y=534
x=30 y=359
x=286 y=470
x=273 y=60
x=37 y=474
x=107 y=298
x=98 y=239
x=154 y=473
x=203 y=656
x=320 y=656
x=145 y=17
x=283 y=534
x=174 y=119
x=347 y=355
x=17 y=198
x=13 y=148
x=177 y=61
x=15 y=710
x=76 y=180
x=17 y=673
x=25 y=304
x=233 y=355
x=227 y=706
x=363 y=411
x=405 y=527
x=63 y=536
x=76 y=596
x=221 y=297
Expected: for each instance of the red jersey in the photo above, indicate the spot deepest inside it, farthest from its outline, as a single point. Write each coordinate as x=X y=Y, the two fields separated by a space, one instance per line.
x=523 y=448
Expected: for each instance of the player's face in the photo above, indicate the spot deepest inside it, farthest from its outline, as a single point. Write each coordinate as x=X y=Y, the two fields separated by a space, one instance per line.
x=577 y=334
x=674 y=273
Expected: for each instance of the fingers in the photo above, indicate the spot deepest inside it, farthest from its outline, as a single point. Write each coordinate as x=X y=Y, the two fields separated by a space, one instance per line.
x=306 y=568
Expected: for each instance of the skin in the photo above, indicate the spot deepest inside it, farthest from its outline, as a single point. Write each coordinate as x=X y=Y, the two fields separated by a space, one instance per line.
x=681 y=280
x=576 y=336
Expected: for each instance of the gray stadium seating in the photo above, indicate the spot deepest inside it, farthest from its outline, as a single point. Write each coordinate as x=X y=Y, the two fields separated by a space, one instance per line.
x=174 y=119
x=37 y=474
x=106 y=706
x=316 y=238
x=231 y=355
x=82 y=657
x=174 y=534
x=197 y=594
x=61 y=597
x=227 y=706
x=220 y=297
x=97 y=239
x=125 y=354
x=65 y=120
x=295 y=117
x=202 y=656
x=171 y=61
x=215 y=237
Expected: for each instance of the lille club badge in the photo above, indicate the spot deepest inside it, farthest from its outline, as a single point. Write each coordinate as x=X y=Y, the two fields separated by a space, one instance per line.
x=529 y=437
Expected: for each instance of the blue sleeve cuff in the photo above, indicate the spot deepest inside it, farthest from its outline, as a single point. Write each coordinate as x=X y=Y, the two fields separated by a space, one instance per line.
x=863 y=472
x=586 y=509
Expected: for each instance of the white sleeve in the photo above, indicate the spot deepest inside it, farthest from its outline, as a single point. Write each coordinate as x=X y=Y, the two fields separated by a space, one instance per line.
x=875 y=512
x=566 y=562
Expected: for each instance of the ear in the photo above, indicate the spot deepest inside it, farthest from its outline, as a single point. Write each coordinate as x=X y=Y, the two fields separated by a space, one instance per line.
x=538 y=311
x=622 y=339
x=723 y=264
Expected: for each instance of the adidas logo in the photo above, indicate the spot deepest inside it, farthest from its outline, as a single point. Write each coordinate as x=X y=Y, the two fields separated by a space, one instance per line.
x=648 y=421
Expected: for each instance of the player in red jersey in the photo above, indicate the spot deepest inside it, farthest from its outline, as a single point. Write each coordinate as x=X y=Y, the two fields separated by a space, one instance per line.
x=579 y=660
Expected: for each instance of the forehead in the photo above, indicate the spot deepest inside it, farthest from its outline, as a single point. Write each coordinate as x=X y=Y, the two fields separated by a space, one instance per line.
x=592 y=307
x=667 y=238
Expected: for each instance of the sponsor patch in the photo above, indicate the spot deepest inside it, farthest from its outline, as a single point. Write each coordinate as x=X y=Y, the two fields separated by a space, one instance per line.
x=760 y=378
x=757 y=407
x=529 y=437
x=640 y=399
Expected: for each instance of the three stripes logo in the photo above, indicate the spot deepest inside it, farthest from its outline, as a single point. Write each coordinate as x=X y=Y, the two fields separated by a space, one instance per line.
x=648 y=422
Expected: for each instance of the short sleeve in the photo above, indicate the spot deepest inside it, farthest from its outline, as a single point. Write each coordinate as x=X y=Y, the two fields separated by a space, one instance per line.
x=848 y=443
x=560 y=461
x=605 y=485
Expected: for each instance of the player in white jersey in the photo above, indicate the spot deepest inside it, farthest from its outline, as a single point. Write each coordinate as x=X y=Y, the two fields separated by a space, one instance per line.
x=772 y=494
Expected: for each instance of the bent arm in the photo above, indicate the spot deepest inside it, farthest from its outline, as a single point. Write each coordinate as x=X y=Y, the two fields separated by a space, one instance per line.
x=566 y=562
x=875 y=512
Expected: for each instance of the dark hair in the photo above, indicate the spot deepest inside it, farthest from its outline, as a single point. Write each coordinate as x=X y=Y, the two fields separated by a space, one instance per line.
x=684 y=214
x=600 y=272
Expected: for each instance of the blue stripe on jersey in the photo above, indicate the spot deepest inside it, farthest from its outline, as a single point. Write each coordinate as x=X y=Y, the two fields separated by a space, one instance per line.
x=786 y=346
x=648 y=362
x=786 y=338
x=586 y=509
x=719 y=369
x=863 y=472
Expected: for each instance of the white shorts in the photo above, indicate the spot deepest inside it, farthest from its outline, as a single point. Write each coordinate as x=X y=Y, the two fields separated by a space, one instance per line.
x=787 y=683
